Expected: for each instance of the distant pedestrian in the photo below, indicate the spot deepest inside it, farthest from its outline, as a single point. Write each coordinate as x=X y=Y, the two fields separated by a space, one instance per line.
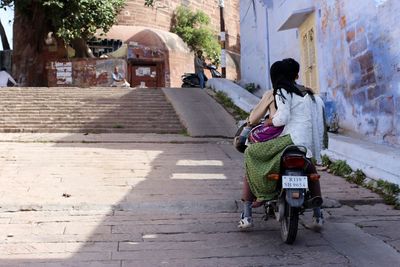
x=118 y=79
x=5 y=79
x=199 y=65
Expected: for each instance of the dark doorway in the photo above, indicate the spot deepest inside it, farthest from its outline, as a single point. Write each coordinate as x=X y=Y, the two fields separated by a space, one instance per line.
x=146 y=74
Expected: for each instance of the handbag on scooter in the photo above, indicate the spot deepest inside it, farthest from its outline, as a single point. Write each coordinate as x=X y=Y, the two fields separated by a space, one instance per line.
x=263 y=133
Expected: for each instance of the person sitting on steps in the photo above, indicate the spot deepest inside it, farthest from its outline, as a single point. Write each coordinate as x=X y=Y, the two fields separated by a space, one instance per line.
x=118 y=79
x=6 y=80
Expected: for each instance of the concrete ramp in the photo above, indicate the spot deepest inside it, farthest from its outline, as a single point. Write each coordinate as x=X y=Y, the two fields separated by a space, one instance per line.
x=200 y=113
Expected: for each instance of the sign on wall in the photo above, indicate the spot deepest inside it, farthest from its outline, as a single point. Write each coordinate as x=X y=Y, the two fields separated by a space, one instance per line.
x=64 y=73
x=143 y=71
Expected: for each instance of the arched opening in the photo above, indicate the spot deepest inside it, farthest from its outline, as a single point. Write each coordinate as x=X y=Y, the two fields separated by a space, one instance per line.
x=155 y=58
x=147 y=60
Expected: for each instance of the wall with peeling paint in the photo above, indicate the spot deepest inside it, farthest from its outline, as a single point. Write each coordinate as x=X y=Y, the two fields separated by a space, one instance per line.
x=358 y=58
x=254 y=63
x=83 y=72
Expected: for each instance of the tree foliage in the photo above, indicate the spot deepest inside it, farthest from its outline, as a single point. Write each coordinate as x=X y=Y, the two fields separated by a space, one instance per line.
x=149 y=2
x=193 y=28
x=71 y=19
x=6 y=3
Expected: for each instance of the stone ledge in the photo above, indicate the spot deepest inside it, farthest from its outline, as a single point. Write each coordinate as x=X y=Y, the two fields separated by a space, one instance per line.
x=376 y=161
x=241 y=97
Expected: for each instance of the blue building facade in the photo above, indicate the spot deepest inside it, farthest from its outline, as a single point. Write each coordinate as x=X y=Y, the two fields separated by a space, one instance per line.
x=348 y=50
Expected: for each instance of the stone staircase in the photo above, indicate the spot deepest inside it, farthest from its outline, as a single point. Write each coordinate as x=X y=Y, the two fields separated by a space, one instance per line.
x=86 y=110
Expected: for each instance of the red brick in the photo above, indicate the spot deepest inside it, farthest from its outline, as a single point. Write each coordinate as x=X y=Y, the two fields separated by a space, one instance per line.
x=342 y=22
x=358 y=46
x=368 y=78
x=376 y=91
x=366 y=62
x=350 y=36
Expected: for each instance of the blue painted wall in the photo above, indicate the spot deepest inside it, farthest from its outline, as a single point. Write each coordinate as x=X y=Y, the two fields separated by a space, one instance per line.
x=358 y=58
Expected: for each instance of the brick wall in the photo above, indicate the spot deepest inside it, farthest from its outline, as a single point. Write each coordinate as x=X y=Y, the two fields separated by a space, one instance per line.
x=135 y=13
x=179 y=64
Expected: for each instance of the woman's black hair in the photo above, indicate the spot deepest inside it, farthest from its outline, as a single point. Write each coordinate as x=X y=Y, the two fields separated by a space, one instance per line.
x=292 y=68
x=276 y=74
x=283 y=76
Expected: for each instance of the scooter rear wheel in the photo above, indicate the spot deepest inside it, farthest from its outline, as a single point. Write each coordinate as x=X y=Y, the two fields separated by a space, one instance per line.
x=289 y=224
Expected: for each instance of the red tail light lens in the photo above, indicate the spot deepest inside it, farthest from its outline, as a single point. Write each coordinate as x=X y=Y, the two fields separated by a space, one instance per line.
x=273 y=177
x=314 y=177
x=293 y=162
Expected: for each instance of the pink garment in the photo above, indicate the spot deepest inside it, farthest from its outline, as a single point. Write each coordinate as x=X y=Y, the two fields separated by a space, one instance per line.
x=262 y=133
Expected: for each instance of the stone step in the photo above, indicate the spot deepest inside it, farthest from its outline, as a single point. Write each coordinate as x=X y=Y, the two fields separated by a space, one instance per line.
x=91 y=116
x=97 y=110
x=88 y=122
x=94 y=109
x=94 y=130
x=28 y=106
x=83 y=124
x=91 y=126
x=71 y=114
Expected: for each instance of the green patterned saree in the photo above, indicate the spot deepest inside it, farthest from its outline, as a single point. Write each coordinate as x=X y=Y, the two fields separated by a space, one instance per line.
x=262 y=159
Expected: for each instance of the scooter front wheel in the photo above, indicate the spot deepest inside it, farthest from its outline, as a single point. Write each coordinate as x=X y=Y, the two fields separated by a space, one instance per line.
x=289 y=224
x=185 y=85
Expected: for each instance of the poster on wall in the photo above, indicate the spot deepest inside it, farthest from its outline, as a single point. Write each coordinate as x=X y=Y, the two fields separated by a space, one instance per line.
x=223 y=58
x=143 y=71
x=64 y=73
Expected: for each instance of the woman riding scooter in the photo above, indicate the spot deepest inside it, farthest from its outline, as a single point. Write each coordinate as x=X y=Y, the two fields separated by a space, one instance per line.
x=293 y=111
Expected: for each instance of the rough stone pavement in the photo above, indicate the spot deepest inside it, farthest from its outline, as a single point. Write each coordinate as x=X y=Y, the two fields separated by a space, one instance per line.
x=165 y=200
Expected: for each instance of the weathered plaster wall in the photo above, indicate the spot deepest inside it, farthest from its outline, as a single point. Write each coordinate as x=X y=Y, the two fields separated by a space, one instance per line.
x=284 y=44
x=262 y=44
x=254 y=61
x=83 y=72
x=358 y=58
x=360 y=61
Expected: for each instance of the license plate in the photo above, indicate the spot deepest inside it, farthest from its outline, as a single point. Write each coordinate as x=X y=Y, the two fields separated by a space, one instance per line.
x=294 y=182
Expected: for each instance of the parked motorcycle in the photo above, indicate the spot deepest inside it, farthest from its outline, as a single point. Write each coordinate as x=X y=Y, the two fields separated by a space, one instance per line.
x=294 y=196
x=192 y=80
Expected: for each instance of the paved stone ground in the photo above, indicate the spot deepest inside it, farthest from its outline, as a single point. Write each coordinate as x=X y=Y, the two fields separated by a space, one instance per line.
x=165 y=200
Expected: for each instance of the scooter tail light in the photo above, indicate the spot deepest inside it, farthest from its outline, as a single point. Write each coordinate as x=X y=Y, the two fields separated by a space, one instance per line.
x=295 y=195
x=273 y=177
x=314 y=177
x=293 y=162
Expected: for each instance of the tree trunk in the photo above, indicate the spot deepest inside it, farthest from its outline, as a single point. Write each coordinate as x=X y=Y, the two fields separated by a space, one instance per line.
x=4 y=40
x=81 y=48
x=29 y=55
